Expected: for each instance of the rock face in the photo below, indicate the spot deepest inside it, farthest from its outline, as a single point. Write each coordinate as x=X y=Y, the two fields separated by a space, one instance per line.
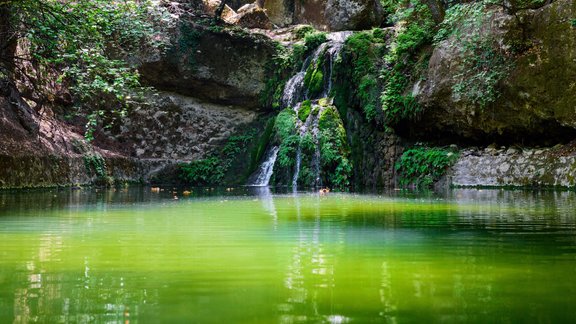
x=217 y=66
x=181 y=128
x=537 y=97
x=374 y=153
x=332 y=15
x=353 y=14
x=513 y=167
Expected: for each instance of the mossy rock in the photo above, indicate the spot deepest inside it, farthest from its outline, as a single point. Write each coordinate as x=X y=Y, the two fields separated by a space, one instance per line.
x=304 y=110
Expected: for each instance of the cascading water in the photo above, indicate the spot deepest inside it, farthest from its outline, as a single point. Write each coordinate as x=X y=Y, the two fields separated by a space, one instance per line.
x=295 y=93
x=264 y=173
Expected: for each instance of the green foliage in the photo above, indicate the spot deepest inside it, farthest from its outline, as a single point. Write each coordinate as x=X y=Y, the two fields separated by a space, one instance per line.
x=203 y=172
x=258 y=152
x=95 y=164
x=422 y=166
x=302 y=31
x=211 y=170
x=334 y=150
x=314 y=78
x=396 y=105
x=84 y=42
x=460 y=19
x=313 y=40
x=417 y=31
x=390 y=7
x=304 y=110
x=483 y=67
x=278 y=70
x=364 y=51
x=573 y=22
x=484 y=64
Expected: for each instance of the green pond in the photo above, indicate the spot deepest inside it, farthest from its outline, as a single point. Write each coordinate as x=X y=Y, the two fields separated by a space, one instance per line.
x=253 y=256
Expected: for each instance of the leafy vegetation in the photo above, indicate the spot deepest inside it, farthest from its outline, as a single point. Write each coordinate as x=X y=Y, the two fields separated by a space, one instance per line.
x=421 y=166
x=209 y=171
x=484 y=63
x=314 y=78
x=82 y=44
x=314 y=39
x=417 y=31
x=364 y=50
x=285 y=130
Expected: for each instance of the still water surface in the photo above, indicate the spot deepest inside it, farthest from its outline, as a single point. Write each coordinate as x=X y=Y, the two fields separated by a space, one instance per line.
x=250 y=256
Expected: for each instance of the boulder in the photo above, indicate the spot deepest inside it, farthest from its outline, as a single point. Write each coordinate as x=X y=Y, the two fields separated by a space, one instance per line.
x=353 y=14
x=216 y=65
x=537 y=95
x=252 y=16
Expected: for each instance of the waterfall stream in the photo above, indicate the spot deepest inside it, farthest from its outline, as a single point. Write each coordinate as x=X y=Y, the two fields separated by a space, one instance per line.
x=264 y=173
x=295 y=93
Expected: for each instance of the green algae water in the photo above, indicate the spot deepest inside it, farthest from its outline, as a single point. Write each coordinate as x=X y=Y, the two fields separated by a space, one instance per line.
x=250 y=256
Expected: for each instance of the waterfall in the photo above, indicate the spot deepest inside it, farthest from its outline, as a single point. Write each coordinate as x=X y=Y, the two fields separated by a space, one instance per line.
x=297 y=168
x=262 y=176
x=295 y=92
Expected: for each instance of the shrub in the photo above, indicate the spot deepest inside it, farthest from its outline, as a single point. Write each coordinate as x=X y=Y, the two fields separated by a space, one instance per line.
x=313 y=40
x=422 y=166
x=203 y=172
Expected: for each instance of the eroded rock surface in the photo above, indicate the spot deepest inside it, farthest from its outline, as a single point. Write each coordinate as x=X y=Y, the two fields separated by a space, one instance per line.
x=177 y=127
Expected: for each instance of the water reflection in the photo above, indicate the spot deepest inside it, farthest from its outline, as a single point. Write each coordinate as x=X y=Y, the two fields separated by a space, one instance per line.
x=140 y=256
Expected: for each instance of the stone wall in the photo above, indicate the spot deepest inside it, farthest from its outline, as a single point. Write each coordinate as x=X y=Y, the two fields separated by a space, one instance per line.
x=536 y=167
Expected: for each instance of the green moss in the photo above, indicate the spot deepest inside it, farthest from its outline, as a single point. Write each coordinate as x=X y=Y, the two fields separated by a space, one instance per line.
x=285 y=134
x=364 y=51
x=304 y=110
x=259 y=150
x=334 y=150
x=314 y=79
